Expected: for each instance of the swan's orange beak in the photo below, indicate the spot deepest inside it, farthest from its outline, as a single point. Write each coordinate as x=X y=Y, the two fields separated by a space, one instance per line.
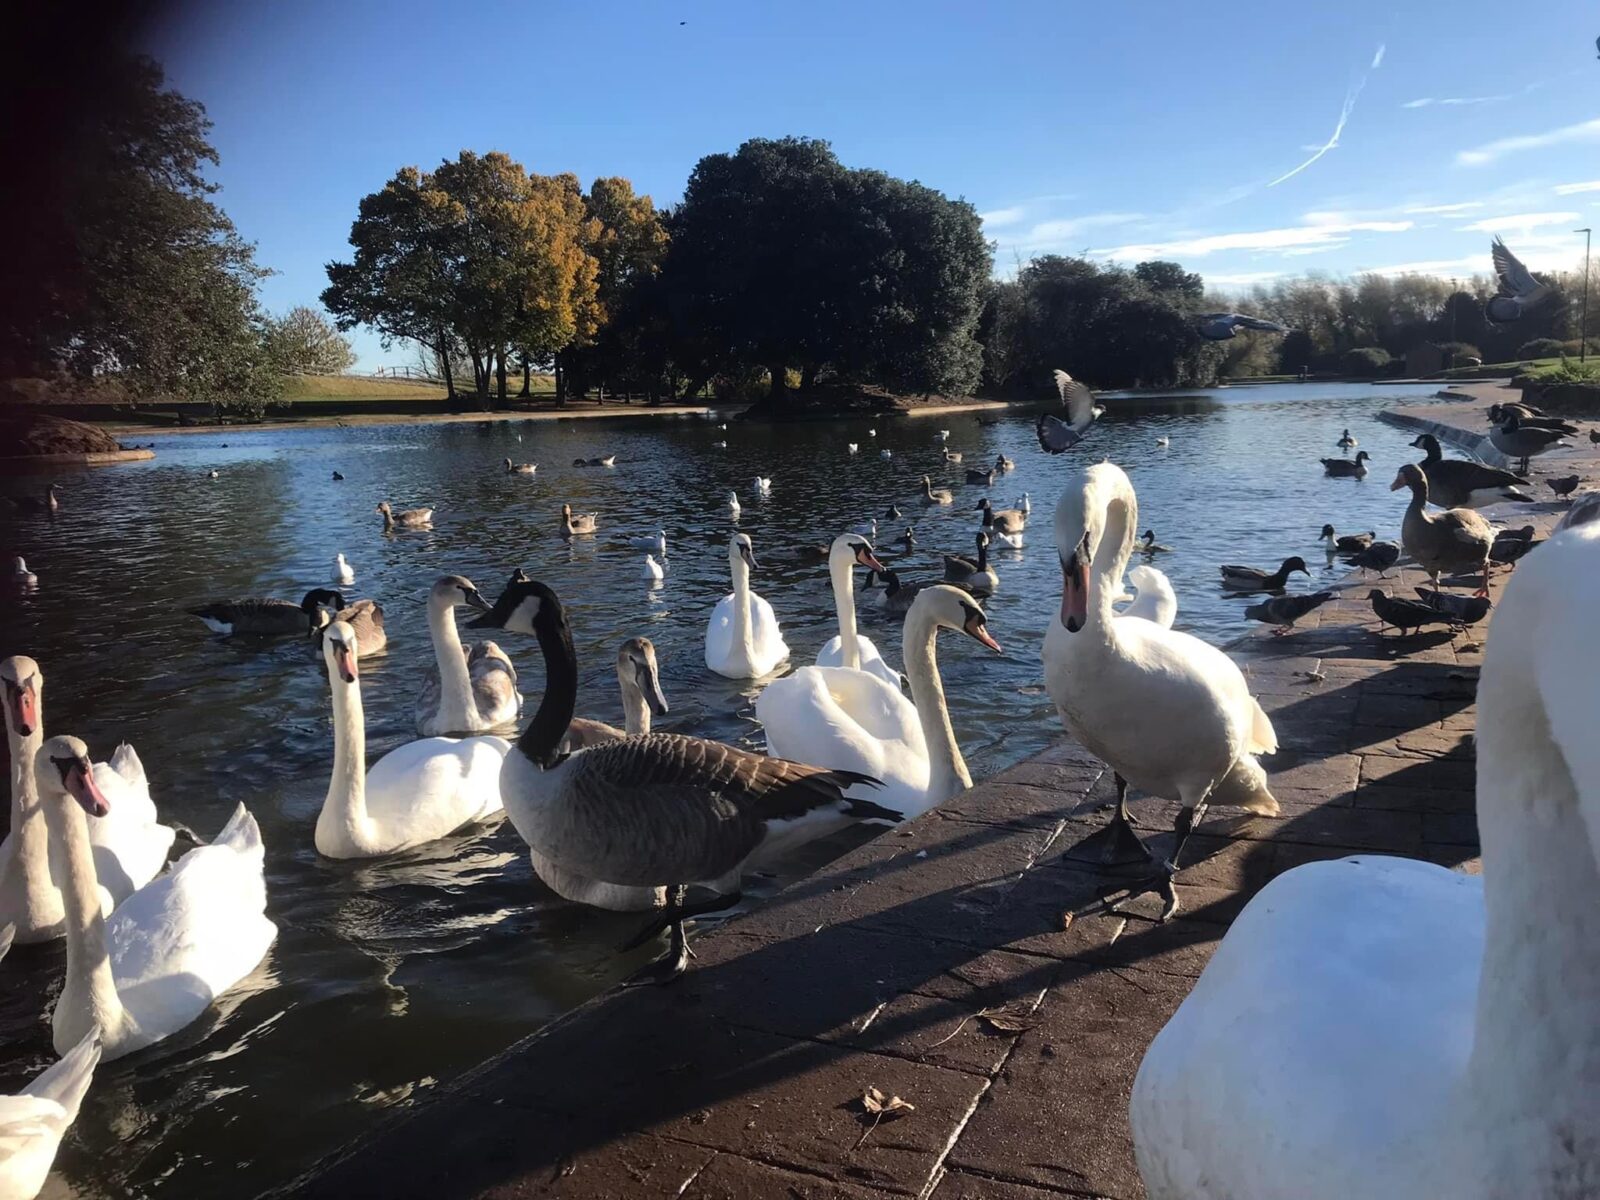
x=1075 y=592
x=78 y=778
x=24 y=699
x=976 y=628
x=867 y=558
x=344 y=658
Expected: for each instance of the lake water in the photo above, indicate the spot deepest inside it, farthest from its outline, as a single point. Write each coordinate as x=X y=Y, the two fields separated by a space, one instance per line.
x=391 y=977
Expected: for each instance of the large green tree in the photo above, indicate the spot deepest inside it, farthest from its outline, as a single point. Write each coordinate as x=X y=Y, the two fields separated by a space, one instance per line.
x=122 y=266
x=304 y=342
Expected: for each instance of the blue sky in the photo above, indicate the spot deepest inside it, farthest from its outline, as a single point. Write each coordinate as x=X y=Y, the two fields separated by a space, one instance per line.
x=1194 y=132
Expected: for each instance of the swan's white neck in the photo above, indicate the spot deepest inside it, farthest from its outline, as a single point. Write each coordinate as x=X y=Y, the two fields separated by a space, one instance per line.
x=742 y=637
x=26 y=872
x=1111 y=555
x=841 y=569
x=457 y=708
x=947 y=770
x=1530 y=1098
x=343 y=819
x=89 y=995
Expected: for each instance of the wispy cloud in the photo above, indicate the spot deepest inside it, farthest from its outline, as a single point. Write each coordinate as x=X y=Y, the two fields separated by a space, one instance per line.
x=1453 y=101
x=1318 y=235
x=1344 y=117
x=1002 y=216
x=1448 y=209
x=1572 y=189
x=1431 y=266
x=1514 y=222
x=1583 y=131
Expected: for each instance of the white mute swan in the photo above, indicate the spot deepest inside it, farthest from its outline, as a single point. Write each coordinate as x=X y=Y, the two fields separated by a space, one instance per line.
x=170 y=948
x=416 y=793
x=849 y=648
x=649 y=811
x=652 y=569
x=1167 y=713
x=343 y=572
x=761 y=486
x=463 y=693
x=743 y=640
x=1380 y=1026
x=21 y=576
x=130 y=846
x=733 y=504
x=33 y=1121
x=848 y=719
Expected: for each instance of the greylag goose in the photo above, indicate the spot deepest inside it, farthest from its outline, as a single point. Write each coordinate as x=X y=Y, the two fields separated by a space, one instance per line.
x=1522 y=442
x=1254 y=579
x=1460 y=483
x=411 y=518
x=1347 y=468
x=1055 y=435
x=267 y=617
x=931 y=496
x=1284 y=611
x=1348 y=543
x=658 y=810
x=1005 y=520
x=1379 y=557
x=526 y=468
x=1457 y=539
x=1405 y=614
x=574 y=523
x=365 y=618
x=975 y=573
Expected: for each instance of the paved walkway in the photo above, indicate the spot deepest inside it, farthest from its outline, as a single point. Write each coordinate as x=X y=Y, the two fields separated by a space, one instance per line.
x=964 y=964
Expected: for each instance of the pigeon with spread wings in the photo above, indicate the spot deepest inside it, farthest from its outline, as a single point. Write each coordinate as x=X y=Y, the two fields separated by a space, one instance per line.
x=1056 y=435
x=1219 y=327
x=1519 y=290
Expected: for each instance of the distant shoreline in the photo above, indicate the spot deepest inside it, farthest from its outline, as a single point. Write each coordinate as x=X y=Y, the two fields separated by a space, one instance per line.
x=361 y=420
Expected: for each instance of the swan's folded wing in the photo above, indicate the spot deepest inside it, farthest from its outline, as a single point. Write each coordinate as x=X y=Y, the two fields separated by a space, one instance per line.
x=691 y=809
x=28 y=1116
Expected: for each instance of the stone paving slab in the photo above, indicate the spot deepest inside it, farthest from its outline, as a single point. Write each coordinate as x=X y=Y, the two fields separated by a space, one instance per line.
x=966 y=963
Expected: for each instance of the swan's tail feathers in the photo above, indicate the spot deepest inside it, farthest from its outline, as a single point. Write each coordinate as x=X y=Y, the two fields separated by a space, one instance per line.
x=68 y=1080
x=125 y=762
x=7 y=933
x=1263 y=737
x=1245 y=786
x=241 y=834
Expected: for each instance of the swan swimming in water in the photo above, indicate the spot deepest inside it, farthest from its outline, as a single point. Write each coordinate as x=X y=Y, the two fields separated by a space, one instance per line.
x=743 y=640
x=848 y=551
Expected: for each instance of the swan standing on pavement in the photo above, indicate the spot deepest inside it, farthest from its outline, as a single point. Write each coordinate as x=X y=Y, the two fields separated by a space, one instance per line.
x=850 y=648
x=463 y=692
x=1168 y=713
x=170 y=948
x=743 y=640
x=33 y=1121
x=417 y=793
x=848 y=719
x=129 y=846
x=1379 y=1026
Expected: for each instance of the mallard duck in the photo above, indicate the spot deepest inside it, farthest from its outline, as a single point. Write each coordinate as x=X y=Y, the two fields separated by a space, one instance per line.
x=1254 y=579
x=1457 y=539
x=1002 y=463
x=1347 y=543
x=1347 y=468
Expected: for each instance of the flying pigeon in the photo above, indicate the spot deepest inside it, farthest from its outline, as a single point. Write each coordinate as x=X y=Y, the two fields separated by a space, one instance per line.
x=1056 y=435
x=1219 y=327
x=1520 y=291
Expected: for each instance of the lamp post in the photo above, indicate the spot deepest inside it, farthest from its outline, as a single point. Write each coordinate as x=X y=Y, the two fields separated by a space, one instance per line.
x=1583 y=321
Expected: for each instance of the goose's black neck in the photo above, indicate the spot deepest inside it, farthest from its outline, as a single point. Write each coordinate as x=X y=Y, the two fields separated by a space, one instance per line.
x=1432 y=452
x=543 y=735
x=983 y=555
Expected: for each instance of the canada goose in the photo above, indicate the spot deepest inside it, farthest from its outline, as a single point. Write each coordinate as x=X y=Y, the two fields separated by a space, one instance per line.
x=974 y=573
x=526 y=468
x=213 y=474
x=906 y=540
x=952 y=456
x=343 y=572
x=1254 y=579
x=1564 y=486
x=580 y=523
x=1463 y=610
x=761 y=486
x=1148 y=545
x=1594 y=436
x=21 y=576
x=1455 y=540
x=1284 y=611
x=658 y=810
x=1002 y=463
x=1347 y=442
x=1219 y=327
x=931 y=497
x=1379 y=557
x=258 y=617
x=894 y=513
x=1519 y=290
x=337 y=476
x=981 y=478
x=652 y=569
x=1346 y=543
x=1405 y=614
x=897 y=597
x=1460 y=483
x=1511 y=544
x=1006 y=520
x=411 y=518
x=1521 y=441
x=733 y=504
x=1056 y=435
x=1499 y=412
x=1347 y=468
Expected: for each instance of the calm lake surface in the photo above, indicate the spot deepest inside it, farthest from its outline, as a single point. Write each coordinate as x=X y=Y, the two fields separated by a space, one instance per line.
x=391 y=977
